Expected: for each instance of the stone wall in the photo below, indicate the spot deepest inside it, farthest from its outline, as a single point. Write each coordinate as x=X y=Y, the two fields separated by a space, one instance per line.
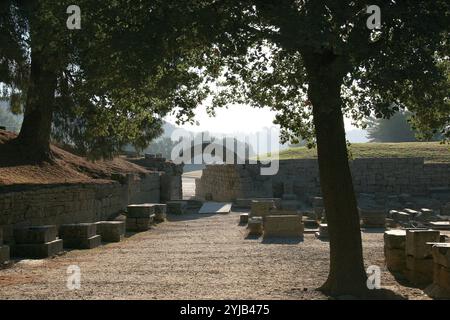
x=377 y=175
x=171 y=181
x=74 y=203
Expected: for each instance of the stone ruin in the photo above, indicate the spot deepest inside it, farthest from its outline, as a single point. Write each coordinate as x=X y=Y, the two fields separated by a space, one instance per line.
x=422 y=256
x=269 y=218
x=36 y=242
x=4 y=250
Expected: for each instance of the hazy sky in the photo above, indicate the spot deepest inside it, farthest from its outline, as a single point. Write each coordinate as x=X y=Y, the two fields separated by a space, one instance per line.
x=237 y=118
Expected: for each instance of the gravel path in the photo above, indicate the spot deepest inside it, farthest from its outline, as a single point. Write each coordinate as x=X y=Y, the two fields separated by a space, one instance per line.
x=190 y=257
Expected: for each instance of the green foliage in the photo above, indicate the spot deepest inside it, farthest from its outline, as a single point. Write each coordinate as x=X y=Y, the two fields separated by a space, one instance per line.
x=395 y=129
x=131 y=63
x=402 y=65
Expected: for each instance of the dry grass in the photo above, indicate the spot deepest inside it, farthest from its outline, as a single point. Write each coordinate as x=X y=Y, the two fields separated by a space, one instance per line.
x=66 y=168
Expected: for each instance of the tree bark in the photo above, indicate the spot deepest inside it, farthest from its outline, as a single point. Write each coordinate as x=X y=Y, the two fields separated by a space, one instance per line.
x=34 y=136
x=347 y=275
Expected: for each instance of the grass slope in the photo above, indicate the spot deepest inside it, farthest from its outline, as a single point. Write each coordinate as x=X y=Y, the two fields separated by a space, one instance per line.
x=431 y=151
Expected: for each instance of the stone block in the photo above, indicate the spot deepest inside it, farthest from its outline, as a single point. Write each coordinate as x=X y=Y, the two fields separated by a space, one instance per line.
x=441 y=276
x=419 y=271
x=111 y=231
x=247 y=202
x=289 y=204
x=261 y=208
x=160 y=212
x=143 y=210
x=283 y=226
x=416 y=242
x=243 y=218
x=35 y=234
x=139 y=224
x=395 y=239
x=4 y=254
x=441 y=254
x=37 y=251
x=395 y=259
x=77 y=231
x=82 y=243
x=401 y=216
x=317 y=202
x=255 y=226
x=323 y=231
x=177 y=207
x=372 y=218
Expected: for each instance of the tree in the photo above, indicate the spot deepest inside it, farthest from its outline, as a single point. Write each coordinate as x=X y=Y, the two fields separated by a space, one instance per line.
x=105 y=85
x=315 y=61
x=395 y=129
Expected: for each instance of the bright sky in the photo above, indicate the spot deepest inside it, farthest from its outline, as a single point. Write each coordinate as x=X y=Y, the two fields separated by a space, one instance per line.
x=237 y=118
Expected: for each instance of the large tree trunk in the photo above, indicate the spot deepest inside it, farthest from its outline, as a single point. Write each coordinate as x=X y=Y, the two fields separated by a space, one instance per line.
x=34 y=136
x=347 y=274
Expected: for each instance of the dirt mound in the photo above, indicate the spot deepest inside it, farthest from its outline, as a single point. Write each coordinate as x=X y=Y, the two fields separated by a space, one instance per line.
x=66 y=168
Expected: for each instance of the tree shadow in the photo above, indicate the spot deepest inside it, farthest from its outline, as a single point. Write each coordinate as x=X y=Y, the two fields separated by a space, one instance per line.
x=373 y=230
x=376 y=294
x=281 y=240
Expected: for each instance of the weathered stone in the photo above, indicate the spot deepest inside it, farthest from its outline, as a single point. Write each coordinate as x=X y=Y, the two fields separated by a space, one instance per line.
x=395 y=259
x=243 y=218
x=319 y=212
x=401 y=216
x=143 y=210
x=441 y=276
x=395 y=239
x=289 y=204
x=255 y=226
x=289 y=212
x=323 y=231
x=4 y=254
x=372 y=218
x=139 y=224
x=261 y=208
x=111 y=231
x=247 y=202
x=419 y=271
x=441 y=254
x=416 y=242
x=176 y=207
x=317 y=202
x=77 y=231
x=35 y=234
x=37 y=251
x=160 y=212
x=82 y=243
x=283 y=226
